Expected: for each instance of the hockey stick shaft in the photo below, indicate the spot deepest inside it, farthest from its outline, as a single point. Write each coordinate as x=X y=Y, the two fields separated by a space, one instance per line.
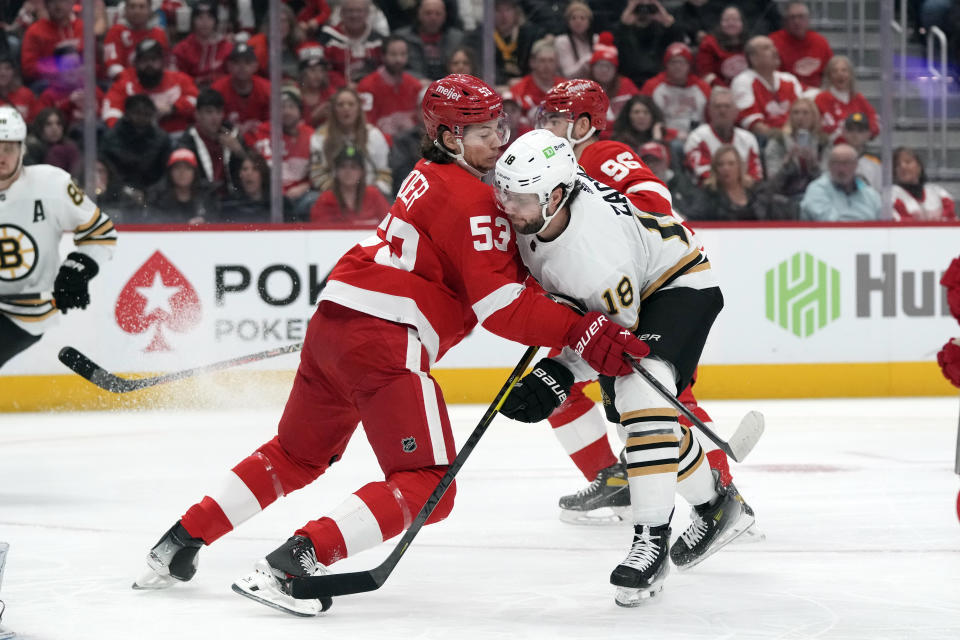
x=340 y=584
x=746 y=435
x=99 y=376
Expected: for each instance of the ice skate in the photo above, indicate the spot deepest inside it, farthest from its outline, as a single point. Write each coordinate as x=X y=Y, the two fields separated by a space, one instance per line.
x=173 y=559
x=712 y=527
x=269 y=584
x=606 y=500
x=640 y=576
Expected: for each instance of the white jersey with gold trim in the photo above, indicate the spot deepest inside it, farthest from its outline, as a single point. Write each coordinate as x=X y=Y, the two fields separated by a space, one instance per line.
x=35 y=212
x=612 y=256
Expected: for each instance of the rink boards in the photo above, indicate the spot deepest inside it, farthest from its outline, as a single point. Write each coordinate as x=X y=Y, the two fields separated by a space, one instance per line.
x=850 y=310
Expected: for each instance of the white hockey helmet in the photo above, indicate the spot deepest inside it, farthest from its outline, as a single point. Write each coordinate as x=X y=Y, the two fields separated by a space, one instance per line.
x=12 y=126
x=537 y=162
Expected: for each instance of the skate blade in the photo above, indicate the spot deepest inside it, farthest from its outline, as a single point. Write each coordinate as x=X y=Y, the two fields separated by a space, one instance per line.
x=629 y=598
x=602 y=517
x=752 y=535
x=260 y=587
x=742 y=525
x=153 y=581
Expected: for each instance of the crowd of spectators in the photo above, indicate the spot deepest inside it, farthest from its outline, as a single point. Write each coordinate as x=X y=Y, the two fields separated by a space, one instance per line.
x=741 y=108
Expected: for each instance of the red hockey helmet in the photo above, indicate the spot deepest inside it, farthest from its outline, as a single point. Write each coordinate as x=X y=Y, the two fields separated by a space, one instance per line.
x=578 y=97
x=459 y=100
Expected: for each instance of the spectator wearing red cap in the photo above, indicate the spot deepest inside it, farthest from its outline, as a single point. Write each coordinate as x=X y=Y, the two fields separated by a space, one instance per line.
x=604 y=70
x=681 y=96
x=430 y=40
x=295 y=165
x=120 y=43
x=840 y=99
x=203 y=54
x=352 y=47
x=67 y=89
x=719 y=130
x=575 y=46
x=643 y=34
x=763 y=94
x=915 y=199
x=246 y=95
x=182 y=197
x=317 y=84
x=803 y=52
x=390 y=94
x=683 y=192
x=174 y=93
x=61 y=30
x=532 y=88
x=720 y=55
x=13 y=93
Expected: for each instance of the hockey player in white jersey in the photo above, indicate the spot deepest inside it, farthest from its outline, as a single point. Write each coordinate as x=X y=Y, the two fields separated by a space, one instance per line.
x=587 y=244
x=38 y=204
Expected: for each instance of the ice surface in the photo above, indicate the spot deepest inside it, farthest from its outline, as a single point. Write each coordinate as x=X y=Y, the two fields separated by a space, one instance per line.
x=856 y=498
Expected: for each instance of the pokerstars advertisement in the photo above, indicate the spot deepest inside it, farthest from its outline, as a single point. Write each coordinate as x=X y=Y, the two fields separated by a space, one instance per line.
x=178 y=299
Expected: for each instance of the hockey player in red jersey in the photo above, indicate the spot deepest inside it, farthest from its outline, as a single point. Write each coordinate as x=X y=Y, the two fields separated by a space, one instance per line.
x=443 y=260
x=576 y=110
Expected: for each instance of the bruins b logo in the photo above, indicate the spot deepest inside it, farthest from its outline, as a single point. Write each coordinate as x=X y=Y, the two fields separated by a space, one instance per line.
x=18 y=253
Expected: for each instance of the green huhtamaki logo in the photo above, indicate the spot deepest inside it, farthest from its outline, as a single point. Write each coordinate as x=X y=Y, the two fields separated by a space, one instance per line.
x=549 y=152
x=803 y=294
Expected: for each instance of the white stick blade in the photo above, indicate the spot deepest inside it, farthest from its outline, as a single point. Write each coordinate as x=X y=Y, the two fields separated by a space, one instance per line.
x=747 y=435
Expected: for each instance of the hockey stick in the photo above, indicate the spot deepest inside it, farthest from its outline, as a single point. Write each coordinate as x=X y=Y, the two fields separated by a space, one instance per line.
x=743 y=439
x=25 y=297
x=99 y=376
x=341 y=584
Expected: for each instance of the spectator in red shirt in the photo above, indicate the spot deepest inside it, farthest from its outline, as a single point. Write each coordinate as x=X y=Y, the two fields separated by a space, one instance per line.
x=296 y=153
x=314 y=15
x=121 y=40
x=390 y=94
x=350 y=201
x=604 y=70
x=720 y=55
x=173 y=92
x=351 y=46
x=763 y=94
x=681 y=96
x=66 y=90
x=13 y=93
x=840 y=99
x=203 y=53
x=915 y=199
x=532 y=88
x=246 y=95
x=317 y=85
x=803 y=53
x=62 y=29
x=293 y=37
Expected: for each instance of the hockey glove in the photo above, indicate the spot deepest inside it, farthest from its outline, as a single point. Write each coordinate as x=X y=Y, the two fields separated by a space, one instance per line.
x=949 y=361
x=70 y=289
x=539 y=392
x=602 y=343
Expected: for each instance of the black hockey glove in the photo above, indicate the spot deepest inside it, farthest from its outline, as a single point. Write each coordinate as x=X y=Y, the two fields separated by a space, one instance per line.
x=539 y=392
x=70 y=288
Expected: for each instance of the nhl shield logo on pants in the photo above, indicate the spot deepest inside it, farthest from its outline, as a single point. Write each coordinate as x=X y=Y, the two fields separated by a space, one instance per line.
x=409 y=444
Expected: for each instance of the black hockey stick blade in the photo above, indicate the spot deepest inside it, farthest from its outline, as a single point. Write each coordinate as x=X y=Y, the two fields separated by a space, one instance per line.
x=99 y=376
x=744 y=438
x=342 y=584
x=24 y=297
